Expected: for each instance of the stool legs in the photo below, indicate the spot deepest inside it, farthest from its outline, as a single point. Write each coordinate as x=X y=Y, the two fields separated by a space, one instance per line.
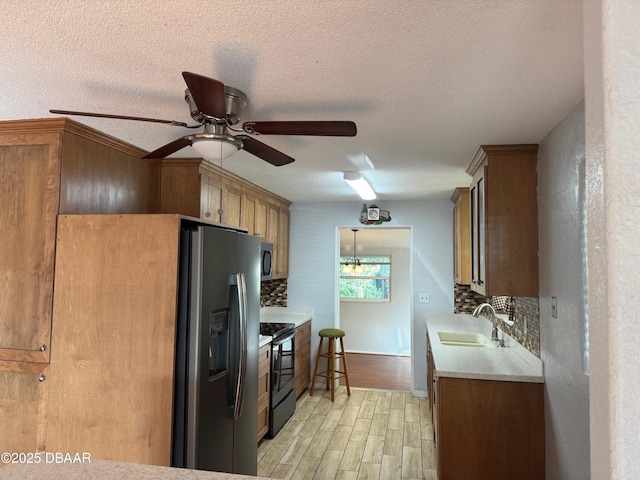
x=330 y=372
x=332 y=367
x=315 y=370
x=344 y=366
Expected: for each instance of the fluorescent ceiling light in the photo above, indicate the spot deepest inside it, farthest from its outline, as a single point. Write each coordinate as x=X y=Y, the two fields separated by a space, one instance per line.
x=360 y=185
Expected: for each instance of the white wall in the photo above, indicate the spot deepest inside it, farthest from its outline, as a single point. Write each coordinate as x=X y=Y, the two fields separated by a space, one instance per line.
x=312 y=272
x=562 y=275
x=382 y=327
x=612 y=119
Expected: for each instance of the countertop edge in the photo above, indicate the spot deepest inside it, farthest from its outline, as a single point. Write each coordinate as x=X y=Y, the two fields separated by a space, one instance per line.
x=487 y=363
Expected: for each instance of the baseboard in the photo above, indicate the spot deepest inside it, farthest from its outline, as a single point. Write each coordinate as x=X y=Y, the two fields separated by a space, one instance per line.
x=377 y=353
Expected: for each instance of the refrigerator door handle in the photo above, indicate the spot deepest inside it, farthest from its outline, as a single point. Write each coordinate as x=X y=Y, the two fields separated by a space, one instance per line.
x=242 y=366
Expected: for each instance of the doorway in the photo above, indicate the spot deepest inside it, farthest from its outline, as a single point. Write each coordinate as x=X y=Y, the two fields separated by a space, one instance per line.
x=378 y=330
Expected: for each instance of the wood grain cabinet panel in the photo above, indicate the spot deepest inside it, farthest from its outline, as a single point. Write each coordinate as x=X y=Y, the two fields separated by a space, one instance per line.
x=49 y=167
x=504 y=221
x=115 y=308
x=489 y=429
x=24 y=389
x=196 y=188
x=264 y=389
x=302 y=358
x=461 y=236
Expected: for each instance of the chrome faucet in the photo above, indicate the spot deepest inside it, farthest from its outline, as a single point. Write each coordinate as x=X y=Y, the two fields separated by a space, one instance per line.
x=494 y=331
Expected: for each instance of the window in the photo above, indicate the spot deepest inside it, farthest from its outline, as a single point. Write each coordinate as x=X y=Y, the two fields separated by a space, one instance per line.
x=369 y=283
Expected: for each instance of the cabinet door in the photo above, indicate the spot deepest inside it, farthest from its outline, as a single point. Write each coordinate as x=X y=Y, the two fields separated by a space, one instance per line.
x=231 y=204
x=261 y=218
x=24 y=389
x=478 y=245
x=303 y=357
x=264 y=389
x=211 y=198
x=461 y=238
x=273 y=227
x=249 y=214
x=28 y=208
x=282 y=267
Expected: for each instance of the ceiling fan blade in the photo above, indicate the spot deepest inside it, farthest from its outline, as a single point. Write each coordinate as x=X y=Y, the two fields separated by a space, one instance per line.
x=208 y=94
x=264 y=151
x=170 y=148
x=120 y=117
x=322 y=128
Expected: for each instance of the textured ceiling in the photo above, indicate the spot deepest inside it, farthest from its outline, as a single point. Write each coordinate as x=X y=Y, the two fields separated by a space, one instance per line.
x=426 y=81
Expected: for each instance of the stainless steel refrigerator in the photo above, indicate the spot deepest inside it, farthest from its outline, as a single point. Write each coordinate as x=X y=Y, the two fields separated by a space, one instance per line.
x=216 y=381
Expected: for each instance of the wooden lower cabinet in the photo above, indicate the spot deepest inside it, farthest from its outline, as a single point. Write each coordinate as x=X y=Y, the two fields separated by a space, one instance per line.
x=264 y=389
x=487 y=429
x=302 y=357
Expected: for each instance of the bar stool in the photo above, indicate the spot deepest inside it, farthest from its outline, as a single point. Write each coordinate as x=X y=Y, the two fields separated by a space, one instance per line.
x=331 y=356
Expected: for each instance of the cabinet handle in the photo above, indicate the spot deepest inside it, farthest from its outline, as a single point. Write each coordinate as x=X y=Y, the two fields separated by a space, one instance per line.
x=42 y=378
x=42 y=348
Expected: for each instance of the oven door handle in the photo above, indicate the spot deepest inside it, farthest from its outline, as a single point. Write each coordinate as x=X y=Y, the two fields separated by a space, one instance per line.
x=280 y=341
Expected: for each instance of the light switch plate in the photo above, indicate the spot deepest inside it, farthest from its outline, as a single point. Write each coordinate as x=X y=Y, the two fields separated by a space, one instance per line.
x=424 y=298
x=554 y=307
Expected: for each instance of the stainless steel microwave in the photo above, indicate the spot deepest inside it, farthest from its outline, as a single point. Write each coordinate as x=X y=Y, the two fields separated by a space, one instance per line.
x=266 y=262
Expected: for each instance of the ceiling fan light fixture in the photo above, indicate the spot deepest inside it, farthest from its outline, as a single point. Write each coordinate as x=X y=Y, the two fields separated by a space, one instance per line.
x=216 y=148
x=360 y=185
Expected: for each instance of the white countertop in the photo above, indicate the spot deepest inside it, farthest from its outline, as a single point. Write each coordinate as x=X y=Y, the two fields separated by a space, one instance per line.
x=295 y=315
x=264 y=339
x=107 y=470
x=511 y=363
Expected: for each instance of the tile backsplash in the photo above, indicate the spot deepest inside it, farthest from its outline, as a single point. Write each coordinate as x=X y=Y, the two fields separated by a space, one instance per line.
x=273 y=293
x=527 y=313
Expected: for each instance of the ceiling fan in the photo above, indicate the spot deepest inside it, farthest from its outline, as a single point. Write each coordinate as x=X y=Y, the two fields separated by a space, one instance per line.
x=217 y=107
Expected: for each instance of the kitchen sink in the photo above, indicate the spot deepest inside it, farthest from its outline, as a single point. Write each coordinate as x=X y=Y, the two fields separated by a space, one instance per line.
x=464 y=339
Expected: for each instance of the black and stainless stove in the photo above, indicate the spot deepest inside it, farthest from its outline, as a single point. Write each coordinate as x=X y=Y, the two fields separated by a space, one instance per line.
x=276 y=330
x=282 y=403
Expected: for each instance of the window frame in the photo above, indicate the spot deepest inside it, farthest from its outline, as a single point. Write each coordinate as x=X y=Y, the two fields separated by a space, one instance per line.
x=362 y=259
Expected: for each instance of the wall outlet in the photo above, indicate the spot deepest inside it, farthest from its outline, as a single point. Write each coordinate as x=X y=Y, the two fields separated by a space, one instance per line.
x=554 y=307
x=424 y=298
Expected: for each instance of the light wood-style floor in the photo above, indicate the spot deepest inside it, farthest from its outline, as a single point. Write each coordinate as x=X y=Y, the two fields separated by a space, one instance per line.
x=386 y=372
x=372 y=434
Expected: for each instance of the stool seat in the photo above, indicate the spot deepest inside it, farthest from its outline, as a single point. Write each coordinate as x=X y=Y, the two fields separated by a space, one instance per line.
x=331 y=373
x=331 y=333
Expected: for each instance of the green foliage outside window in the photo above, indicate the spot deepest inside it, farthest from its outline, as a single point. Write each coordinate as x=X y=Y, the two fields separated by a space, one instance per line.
x=371 y=283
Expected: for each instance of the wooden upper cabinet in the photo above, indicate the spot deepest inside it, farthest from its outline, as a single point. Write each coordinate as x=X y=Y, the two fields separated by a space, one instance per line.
x=48 y=167
x=504 y=221
x=461 y=236
x=211 y=199
x=196 y=188
x=231 y=203
x=255 y=213
x=283 y=244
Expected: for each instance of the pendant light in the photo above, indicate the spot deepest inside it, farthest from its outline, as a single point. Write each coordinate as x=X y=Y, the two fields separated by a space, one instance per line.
x=353 y=265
